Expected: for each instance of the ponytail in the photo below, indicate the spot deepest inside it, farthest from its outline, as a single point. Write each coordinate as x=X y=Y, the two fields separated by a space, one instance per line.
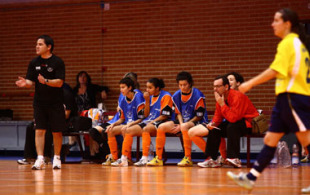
x=303 y=36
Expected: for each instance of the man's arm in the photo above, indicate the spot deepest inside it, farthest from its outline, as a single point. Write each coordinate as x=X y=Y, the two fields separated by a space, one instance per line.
x=50 y=82
x=22 y=82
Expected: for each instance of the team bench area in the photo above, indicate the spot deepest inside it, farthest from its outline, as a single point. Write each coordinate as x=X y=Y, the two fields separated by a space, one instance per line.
x=179 y=135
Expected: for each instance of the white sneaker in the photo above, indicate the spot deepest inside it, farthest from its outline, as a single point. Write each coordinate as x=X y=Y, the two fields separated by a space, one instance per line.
x=120 y=163
x=305 y=190
x=141 y=162
x=38 y=165
x=24 y=161
x=242 y=180
x=236 y=162
x=220 y=160
x=210 y=163
x=56 y=163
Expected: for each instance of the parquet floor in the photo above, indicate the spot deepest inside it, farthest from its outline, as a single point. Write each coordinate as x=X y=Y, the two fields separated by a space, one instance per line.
x=96 y=179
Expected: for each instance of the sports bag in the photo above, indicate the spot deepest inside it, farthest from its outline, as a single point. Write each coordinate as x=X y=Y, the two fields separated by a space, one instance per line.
x=260 y=124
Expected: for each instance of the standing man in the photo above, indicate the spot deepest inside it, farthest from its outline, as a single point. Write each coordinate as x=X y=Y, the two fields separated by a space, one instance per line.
x=47 y=71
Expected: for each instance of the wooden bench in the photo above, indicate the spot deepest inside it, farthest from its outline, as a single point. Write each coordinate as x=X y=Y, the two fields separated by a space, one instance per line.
x=179 y=135
x=248 y=141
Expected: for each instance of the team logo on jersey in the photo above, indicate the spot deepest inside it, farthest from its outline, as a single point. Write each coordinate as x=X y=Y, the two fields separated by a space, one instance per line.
x=50 y=69
x=152 y=116
x=129 y=116
x=186 y=116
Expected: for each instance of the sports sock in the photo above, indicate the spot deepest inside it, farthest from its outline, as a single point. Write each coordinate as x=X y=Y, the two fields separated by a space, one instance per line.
x=263 y=160
x=41 y=157
x=160 y=143
x=222 y=148
x=200 y=142
x=113 y=147
x=187 y=144
x=56 y=157
x=127 y=145
x=308 y=148
x=146 y=141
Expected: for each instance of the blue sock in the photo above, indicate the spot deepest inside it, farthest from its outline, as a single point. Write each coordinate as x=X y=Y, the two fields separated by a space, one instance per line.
x=263 y=160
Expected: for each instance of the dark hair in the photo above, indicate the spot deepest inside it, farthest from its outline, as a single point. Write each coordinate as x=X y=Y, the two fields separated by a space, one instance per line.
x=129 y=82
x=224 y=79
x=239 y=78
x=298 y=28
x=48 y=41
x=157 y=83
x=185 y=76
x=87 y=76
x=133 y=76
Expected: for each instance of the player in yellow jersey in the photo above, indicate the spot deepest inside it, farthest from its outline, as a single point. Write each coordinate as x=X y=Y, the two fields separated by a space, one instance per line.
x=291 y=113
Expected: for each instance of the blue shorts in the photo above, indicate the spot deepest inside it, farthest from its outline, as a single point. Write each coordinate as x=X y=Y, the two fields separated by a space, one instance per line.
x=290 y=114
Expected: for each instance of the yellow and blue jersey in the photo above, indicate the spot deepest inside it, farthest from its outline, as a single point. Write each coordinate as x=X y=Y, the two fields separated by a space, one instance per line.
x=293 y=66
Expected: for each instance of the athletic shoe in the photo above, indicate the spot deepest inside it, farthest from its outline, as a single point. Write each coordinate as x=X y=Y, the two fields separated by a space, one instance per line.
x=305 y=190
x=130 y=163
x=155 y=162
x=120 y=163
x=234 y=162
x=305 y=160
x=185 y=162
x=47 y=160
x=56 y=163
x=241 y=179
x=209 y=163
x=38 y=165
x=220 y=160
x=109 y=160
x=25 y=161
x=141 y=162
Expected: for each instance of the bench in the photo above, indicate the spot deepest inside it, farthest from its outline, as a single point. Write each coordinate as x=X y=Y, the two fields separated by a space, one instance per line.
x=248 y=141
x=179 y=135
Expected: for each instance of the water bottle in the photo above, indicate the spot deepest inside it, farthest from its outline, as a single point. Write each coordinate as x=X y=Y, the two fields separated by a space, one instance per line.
x=151 y=152
x=274 y=161
x=284 y=156
x=295 y=156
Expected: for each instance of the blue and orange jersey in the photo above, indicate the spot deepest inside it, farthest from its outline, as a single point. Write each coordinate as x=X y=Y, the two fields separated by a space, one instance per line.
x=120 y=98
x=132 y=110
x=190 y=105
x=160 y=105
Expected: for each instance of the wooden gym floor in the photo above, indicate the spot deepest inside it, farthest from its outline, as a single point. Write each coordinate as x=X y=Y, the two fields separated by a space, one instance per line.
x=96 y=179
